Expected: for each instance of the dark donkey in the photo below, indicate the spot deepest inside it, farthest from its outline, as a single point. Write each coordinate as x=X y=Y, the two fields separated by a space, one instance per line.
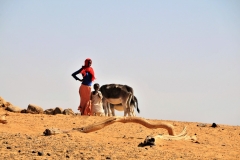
x=119 y=95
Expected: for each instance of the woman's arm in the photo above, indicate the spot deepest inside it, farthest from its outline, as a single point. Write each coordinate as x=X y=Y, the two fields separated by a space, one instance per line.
x=75 y=75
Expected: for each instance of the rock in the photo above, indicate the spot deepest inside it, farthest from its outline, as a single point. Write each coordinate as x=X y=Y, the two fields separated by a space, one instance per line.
x=214 y=125
x=202 y=125
x=68 y=112
x=40 y=153
x=58 y=110
x=149 y=141
x=8 y=106
x=49 y=111
x=34 y=109
x=3 y=119
x=12 y=108
x=52 y=131
x=3 y=103
x=24 y=111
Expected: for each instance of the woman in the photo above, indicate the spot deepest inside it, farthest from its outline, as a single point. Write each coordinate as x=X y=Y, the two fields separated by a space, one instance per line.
x=85 y=88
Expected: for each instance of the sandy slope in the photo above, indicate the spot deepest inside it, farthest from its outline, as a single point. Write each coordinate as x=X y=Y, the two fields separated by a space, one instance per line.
x=22 y=138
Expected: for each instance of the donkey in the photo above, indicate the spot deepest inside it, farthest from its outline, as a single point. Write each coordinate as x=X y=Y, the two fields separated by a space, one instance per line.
x=119 y=94
x=110 y=108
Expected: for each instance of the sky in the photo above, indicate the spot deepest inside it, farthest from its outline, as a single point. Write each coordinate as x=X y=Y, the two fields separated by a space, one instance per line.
x=182 y=58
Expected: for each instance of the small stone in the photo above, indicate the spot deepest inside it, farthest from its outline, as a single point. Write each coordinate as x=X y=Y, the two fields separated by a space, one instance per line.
x=40 y=153
x=67 y=156
x=214 y=125
x=201 y=125
x=19 y=151
x=108 y=158
x=48 y=154
x=8 y=147
x=33 y=151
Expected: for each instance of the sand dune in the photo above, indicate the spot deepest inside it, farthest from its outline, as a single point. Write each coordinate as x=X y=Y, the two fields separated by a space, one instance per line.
x=22 y=138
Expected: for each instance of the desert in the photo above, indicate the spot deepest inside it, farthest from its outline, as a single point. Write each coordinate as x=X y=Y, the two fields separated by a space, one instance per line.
x=22 y=137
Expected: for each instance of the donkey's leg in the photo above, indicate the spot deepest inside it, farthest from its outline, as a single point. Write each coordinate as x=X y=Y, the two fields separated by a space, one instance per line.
x=112 y=109
x=124 y=105
x=125 y=110
x=105 y=106
x=125 y=99
x=130 y=108
x=108 y=109
x=131 y=111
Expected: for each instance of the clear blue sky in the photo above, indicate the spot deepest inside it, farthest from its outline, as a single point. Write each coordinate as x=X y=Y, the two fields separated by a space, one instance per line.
x=181 y=57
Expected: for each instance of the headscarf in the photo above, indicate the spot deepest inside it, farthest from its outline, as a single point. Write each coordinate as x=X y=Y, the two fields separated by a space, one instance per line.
x=86 y=68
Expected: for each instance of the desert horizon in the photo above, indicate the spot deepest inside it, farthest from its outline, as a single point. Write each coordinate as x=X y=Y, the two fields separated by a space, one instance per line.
x=181 y=59
x=22 y=137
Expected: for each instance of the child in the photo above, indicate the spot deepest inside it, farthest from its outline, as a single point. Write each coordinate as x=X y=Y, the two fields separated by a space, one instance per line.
x=96 y=98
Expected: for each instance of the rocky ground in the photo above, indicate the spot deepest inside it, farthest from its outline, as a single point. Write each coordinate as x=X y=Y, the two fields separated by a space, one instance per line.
x=22 y=138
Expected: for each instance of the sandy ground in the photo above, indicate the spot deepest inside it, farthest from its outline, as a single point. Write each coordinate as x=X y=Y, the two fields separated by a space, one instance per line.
x=22 y=138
